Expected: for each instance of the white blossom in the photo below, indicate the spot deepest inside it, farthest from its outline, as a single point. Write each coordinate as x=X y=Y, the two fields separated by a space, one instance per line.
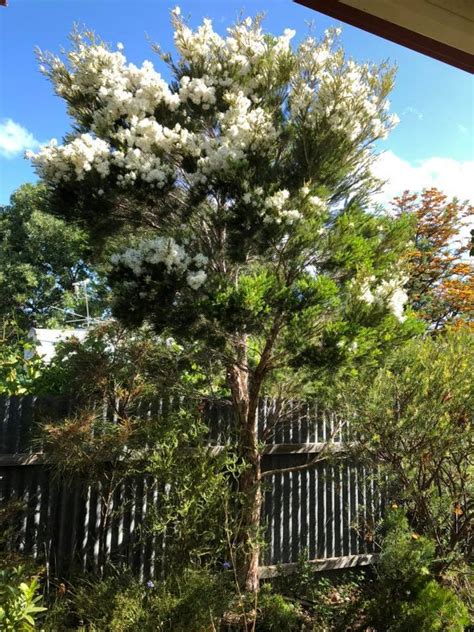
x=197 y=91
x=389 y=293
x=366 y=294
x=196 y=279
x=278 y=200
x=142 y=129
x=395 y=297
x=162 y=250
x=277 y=211
x=55 y=163
x=316 y=201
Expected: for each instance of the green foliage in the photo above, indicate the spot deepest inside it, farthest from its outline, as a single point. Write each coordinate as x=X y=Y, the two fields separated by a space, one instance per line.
x=20 y=369
x=333 y=602
x=196 y=509
x=276 y=614
x=407 y=596
x=340 y=603
x=191 y=483
x=20 y=602
x=121 y=366
x=404 y=564
x=436 y=608
x=10 y=536
x=41 y=257
x=414 y=418
x=193 y=600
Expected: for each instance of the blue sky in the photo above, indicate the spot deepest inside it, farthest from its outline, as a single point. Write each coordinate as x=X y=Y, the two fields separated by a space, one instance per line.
x=433 y=145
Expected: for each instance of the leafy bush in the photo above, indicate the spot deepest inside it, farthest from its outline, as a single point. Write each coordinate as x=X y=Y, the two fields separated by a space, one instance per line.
x=415 y=419
x=333 y=602
x=10 y=536
x=19 y=600
x=192 y=485
x=194 y=600
x=408 y=597
x=435 y=608
x=20 y=368
x=276 y=614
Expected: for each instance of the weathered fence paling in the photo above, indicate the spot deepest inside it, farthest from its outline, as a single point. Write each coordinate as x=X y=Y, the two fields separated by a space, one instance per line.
x=327 y=511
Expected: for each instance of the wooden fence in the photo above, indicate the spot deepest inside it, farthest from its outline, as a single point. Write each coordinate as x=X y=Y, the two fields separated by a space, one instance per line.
x=327 y=511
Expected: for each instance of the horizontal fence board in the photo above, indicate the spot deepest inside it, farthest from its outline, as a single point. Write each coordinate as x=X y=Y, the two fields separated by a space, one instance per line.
x=328 y=564
x=326 y=512
x=331 y=449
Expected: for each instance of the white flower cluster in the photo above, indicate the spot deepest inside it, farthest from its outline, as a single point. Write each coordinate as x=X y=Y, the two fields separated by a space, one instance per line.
x=241 y=51
x=86 y=153
x=81 y=155
x=243 y=128
x=198 y=91
x=150 y=147
x=116 y=89
x=344 y=94
x=314 y=200
x=163 y=250
x=141 y=129
x=276 y=204
x=199 y=46
x=390 y=293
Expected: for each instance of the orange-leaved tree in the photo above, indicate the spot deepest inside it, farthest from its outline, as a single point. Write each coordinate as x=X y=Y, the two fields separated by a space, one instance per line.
x=441 y=273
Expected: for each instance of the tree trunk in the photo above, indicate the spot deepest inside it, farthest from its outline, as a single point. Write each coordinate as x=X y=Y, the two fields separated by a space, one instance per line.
x=245 y=413
x=250 y=490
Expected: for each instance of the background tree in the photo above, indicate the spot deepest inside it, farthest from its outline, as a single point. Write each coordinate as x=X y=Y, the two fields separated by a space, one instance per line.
x=41 y=258
x=441 y=276
x=241 y=184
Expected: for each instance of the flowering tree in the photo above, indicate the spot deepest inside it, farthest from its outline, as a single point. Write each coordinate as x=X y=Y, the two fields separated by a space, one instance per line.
x=241 y=184
x=441 y=285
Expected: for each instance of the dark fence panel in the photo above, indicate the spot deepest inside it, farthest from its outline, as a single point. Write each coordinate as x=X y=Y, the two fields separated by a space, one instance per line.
x=327 y=511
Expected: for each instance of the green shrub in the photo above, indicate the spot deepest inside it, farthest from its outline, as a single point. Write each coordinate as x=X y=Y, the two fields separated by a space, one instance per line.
x=19 y=600
x=332 y=602
x=88 y=602
x=408 y=597
x=195 y=600
x=405 y=559
x=414 y=417
x=435 y=608
x=276 y=614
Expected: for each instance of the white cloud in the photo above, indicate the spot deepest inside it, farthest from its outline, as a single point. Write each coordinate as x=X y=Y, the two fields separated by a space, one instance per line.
x=413 y=111
x=453 y=177
x=15 y=139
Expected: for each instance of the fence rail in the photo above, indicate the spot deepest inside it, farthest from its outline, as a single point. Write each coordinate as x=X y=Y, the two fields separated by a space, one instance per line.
x=327 y=511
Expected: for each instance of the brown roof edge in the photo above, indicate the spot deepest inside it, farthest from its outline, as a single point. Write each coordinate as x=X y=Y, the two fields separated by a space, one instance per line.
x=393 y=32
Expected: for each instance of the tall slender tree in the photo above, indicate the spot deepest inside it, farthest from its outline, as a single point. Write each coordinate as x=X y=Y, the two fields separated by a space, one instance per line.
x=241 y=183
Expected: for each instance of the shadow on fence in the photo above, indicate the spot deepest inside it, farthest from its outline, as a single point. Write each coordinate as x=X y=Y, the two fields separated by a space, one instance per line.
x=327 y=511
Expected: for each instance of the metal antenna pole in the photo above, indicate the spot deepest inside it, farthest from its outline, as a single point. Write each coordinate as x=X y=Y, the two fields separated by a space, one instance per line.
x=87 y=301
x=83 y=285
